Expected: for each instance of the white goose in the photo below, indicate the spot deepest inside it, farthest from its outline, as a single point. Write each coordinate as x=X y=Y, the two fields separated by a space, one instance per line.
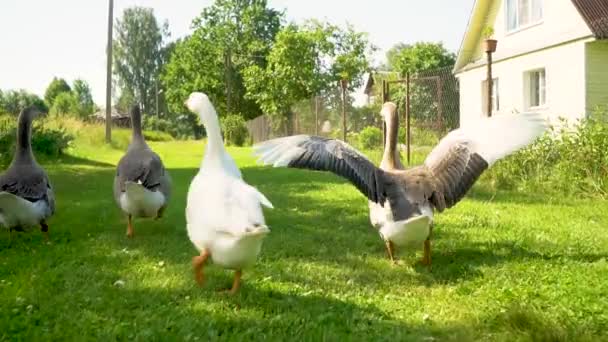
x=142 y=186
x=402 y=201
x=224 y=215
x=26 y=195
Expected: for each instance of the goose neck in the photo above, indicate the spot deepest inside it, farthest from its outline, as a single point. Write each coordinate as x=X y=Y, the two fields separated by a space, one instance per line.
x=137 y=136
x=215 y=143
x=390 y=157
x=24 y=136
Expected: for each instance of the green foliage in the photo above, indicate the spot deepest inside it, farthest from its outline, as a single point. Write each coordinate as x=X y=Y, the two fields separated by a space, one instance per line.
x=46 y=141
x=487 y=32
x=56 y=87
x=139 y=54
x=179 y=127
x=351 y=50
x=370 y=138
x=14 y=101
x=84 y=99
x=64 y=104
x=234 y=129
x=292 y=73
x=298 y=66
x=228 y=37
x=157 y=136
x=570 y=160
x=421 y=56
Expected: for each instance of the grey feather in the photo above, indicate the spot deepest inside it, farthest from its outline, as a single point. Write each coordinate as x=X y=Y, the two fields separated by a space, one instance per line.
x=141 y=165
x=25 y=178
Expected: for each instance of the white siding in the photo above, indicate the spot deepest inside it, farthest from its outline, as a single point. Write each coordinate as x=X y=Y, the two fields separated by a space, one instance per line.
x=561 y=23
x=597 y=75
x=565 y=75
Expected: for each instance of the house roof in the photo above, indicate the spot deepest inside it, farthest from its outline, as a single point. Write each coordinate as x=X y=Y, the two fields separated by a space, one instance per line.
x=594 y=12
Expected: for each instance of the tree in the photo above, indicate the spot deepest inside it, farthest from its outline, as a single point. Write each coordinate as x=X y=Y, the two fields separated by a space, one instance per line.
x=56 y=87
x=228 y=37
x=14 y=101
x=352 y=51
x=83 y=97
x=421 y=56
x=392 y=56
x=424 y=59
x=138 y=54
x=291 y=75
x=65 y=103
x=304 y=62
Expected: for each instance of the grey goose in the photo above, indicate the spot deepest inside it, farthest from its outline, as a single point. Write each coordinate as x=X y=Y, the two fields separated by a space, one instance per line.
x=402 y=201
x=142 y=186
x=26 y=194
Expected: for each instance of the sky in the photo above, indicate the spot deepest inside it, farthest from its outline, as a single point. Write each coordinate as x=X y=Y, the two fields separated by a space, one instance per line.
x=40 y=39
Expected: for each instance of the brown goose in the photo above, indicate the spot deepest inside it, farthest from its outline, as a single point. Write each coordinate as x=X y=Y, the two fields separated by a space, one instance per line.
x=26 y=194
x=142 y=186
x=402 y=201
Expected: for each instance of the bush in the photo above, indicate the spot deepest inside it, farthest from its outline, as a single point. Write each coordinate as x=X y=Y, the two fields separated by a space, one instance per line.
x=13 y=101
x=157 y=136
x=180 y=126
x=64 y=104
x=572 y=159
x=370 y=138
x=48 y=141
x=234 y=129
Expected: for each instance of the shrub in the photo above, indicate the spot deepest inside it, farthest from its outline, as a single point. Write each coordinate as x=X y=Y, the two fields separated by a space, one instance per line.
x=179 y=126
x=13 y=101
x=370 y=138
x=64 y=103
x=234 y=129
x=48 y=141
x=157 y=136
x=571 y=159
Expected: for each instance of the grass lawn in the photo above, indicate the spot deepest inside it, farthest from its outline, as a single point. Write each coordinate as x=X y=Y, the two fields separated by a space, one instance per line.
x=506 y=266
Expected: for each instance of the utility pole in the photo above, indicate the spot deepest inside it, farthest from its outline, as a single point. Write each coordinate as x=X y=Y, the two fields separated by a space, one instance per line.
x=408 y=115
x=343 y=84
x=316 y=115
x=156 y=94
x=109 y=74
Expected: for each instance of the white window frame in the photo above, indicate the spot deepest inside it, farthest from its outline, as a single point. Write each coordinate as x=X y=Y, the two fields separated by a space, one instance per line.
x=531 y=21
x=495 y=95
x=535 y=99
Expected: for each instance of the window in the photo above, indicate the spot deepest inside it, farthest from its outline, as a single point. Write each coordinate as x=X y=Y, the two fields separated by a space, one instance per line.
x=495 y=96
x=535 y=85
x=521 y=13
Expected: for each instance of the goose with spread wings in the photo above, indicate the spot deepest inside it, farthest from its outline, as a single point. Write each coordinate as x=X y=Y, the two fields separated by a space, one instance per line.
x=142 y=185
x=26 y=195
x=402 y=201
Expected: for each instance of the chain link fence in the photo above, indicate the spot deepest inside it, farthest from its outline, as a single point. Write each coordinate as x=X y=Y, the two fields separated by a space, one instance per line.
x=433 y=107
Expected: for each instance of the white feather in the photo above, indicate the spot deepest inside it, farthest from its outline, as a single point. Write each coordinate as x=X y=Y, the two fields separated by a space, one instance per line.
x=18 y=212
x=139 y=201
x=281 y=151
x=493 y=138
x=223 y=213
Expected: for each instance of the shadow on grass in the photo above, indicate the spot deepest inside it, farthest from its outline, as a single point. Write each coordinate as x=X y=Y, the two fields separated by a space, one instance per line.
x=315 y=244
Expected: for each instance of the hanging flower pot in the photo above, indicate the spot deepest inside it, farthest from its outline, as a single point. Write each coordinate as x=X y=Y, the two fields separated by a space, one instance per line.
x=489 y=45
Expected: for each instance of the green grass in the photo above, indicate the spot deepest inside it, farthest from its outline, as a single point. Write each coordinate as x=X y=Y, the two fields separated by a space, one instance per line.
x=506 y=266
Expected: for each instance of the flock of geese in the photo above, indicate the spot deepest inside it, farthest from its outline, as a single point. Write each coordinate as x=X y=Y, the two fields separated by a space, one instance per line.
x=225 y=220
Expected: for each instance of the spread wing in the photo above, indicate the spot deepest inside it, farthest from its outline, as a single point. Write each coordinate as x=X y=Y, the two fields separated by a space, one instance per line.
x=464 y=154
x=316 y=153
x=454 y=169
